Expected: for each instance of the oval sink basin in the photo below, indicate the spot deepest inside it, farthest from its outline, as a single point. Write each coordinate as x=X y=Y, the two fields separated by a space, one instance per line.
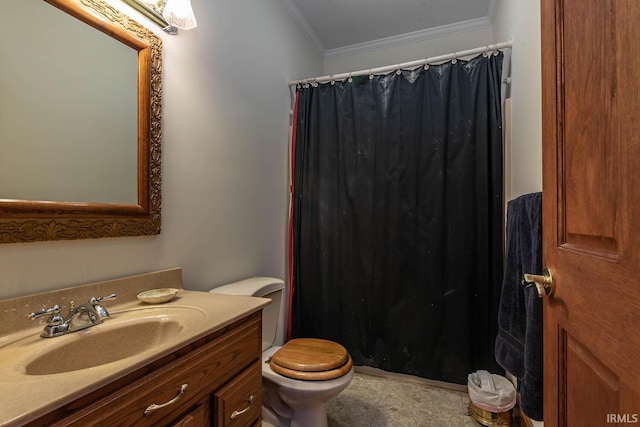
x=108 y=342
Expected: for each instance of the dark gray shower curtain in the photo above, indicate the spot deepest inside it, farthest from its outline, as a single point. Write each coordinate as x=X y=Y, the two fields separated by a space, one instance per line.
x=397 y=217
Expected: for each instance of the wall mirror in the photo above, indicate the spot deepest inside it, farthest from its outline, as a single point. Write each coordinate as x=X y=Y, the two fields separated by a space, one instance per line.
x=80 y=135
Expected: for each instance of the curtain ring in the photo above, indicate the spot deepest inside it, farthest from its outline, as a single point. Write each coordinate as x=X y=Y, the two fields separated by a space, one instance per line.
x=495 y=52
x=426 y=66
x=350 y=79
x=370 y=75
x=455 y=58
x=398 y=71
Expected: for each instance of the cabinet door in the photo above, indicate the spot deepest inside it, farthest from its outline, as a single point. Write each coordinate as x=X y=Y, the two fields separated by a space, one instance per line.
x=239 y=403
x=196 y=417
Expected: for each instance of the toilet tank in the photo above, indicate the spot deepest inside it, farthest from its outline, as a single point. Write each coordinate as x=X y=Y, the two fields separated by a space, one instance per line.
x=264 y=287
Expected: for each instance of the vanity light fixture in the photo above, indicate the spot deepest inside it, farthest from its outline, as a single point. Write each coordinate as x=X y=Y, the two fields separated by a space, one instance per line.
x=179 y=13
x=168 y=14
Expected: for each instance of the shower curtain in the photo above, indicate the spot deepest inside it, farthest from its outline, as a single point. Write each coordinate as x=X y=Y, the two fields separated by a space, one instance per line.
x=397 y=217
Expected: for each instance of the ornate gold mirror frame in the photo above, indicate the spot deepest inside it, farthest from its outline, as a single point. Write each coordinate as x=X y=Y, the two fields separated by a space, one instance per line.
x=29 y=221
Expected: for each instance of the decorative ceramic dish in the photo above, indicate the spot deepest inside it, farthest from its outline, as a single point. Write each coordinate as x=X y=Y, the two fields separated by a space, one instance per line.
x=157 y=296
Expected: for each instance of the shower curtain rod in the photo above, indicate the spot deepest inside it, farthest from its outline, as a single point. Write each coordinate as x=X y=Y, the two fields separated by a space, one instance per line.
x=405 y=65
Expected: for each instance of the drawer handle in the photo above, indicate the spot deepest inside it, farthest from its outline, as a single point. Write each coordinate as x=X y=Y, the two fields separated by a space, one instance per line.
x=153 y=407
x=236 y=413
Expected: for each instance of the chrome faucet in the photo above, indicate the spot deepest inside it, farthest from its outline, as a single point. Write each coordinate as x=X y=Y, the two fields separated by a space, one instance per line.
x=84 y=316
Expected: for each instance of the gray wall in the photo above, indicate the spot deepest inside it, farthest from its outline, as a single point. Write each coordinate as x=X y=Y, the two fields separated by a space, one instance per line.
x=520 y=21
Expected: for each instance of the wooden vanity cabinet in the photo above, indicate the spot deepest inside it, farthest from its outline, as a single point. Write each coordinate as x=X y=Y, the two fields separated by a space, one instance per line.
x=223 y=380
x=235 y=403
x=200 y=415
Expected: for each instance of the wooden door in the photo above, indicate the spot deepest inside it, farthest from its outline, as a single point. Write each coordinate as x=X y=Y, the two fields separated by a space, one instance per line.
x=591 y=203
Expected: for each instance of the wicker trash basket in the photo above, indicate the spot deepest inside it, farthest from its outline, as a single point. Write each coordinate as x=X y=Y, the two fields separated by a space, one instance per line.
x=491 y=398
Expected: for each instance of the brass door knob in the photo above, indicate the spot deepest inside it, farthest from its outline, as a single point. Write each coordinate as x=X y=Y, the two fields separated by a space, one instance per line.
x=543 y=283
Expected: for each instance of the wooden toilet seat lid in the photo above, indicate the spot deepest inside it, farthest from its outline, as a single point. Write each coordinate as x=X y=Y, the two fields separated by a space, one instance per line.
x=311 y=359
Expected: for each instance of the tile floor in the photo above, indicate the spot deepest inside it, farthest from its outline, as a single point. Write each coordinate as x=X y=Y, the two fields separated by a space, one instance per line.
x=373 y=401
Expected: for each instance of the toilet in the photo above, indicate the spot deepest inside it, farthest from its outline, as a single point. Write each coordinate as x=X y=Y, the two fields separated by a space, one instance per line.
x=299 y=377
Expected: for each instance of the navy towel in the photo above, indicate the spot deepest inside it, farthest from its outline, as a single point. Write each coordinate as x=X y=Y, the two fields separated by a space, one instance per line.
x=519 y=341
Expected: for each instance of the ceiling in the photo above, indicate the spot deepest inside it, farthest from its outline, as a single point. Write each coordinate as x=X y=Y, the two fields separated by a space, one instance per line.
x=344 y=27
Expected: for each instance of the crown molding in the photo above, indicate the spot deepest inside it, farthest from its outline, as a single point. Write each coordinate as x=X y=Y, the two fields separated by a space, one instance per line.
x=412 y=37
x=415 y=36
x=299 y=19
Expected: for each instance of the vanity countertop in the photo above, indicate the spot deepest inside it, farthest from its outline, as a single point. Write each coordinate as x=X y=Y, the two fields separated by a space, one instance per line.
x=25 y=397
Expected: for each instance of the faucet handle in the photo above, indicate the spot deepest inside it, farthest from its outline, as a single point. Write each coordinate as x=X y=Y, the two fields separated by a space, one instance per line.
x=99 y=309
x=54 y=312
x=95 y=300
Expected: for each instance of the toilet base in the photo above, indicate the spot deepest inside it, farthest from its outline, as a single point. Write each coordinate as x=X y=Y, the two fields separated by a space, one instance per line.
x=277 y=413
x=311 y=416
x=305 y=417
